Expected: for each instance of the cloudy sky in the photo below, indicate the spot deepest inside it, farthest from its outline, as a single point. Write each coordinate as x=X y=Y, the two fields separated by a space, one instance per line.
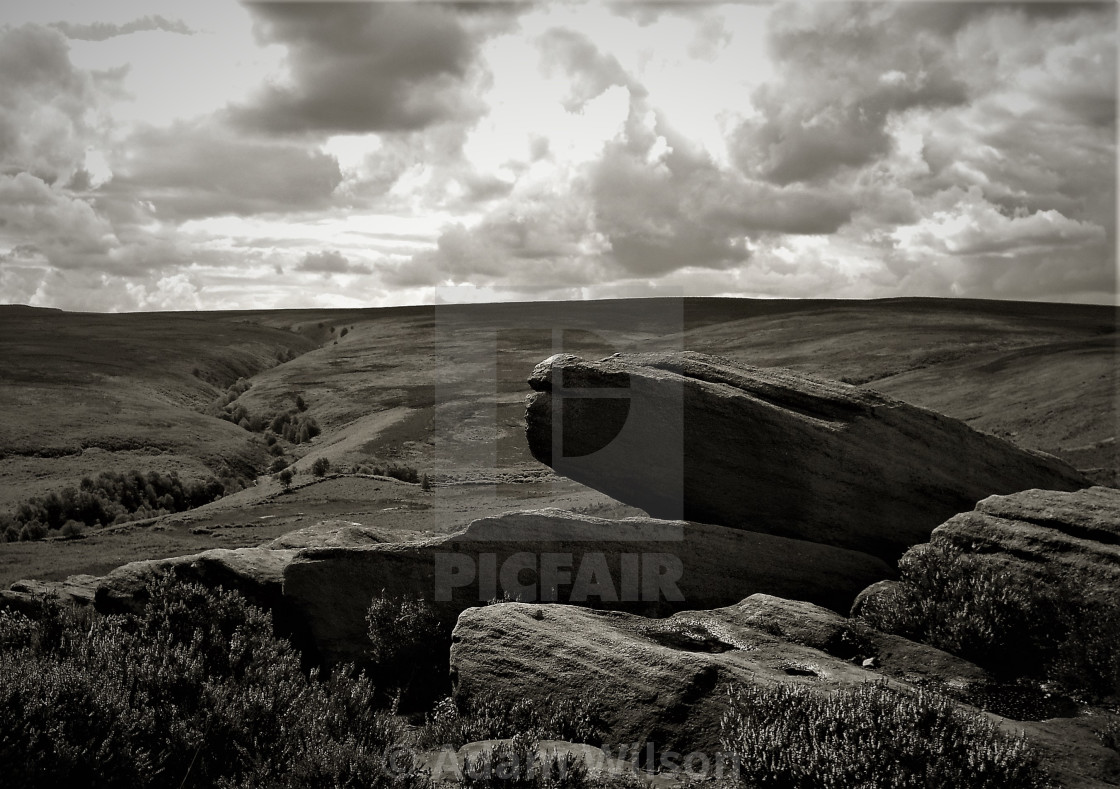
x=170 y=155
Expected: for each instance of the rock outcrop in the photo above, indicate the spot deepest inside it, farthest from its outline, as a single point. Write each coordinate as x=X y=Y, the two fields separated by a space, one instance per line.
x=636 y=564
x=663 y=681
x=1045 y=533
x=685 y=435
x=1042 y=538
x=328 y=534
x=28 y=595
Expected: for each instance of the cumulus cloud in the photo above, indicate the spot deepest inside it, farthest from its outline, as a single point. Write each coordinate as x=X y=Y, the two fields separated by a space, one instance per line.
x=358 y=67
x=975 y=227
x=100 y=31
x=330 y=262
x=591 y=70
x=45 y=104
x=50 y=220
x=201 y=168
x=844 y=69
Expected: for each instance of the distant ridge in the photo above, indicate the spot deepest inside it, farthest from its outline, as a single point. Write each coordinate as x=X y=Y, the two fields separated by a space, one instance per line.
x=28 y=308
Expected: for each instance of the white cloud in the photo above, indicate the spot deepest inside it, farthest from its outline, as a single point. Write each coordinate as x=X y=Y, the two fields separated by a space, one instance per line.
x=973 y=226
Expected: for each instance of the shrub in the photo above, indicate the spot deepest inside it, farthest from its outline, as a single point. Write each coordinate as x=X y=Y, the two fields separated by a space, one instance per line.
x=32 y=531
x=511 y=765
x=284 y=477
x=72 y=529
x=320 y=467
x=425 y=482
x=194 y=691
x=1002 y=620
x=488 y=716
x=410 y=647
x=871 y=736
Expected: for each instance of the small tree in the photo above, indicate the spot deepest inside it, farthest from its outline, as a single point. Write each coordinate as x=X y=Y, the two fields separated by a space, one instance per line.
x=285 y=479
x=320 y=467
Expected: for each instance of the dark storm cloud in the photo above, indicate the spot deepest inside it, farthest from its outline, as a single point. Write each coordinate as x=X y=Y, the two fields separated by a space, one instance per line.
x=201 y=169
x=363 y=67
x=100 y=31
x=330 y=262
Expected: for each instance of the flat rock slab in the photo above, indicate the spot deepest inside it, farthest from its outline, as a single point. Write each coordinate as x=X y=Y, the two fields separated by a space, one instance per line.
x=664 y=681
x=686 y=435
x=641 y=565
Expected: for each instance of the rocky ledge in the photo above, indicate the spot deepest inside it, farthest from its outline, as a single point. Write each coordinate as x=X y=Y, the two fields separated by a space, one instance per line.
x=686 y=435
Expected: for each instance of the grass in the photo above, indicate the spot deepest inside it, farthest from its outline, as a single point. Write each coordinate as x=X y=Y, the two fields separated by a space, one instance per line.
x=869 y=736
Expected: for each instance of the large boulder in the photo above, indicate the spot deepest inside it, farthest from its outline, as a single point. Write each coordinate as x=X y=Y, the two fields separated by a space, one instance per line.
x=686 y=435
x=639 y=565
x=663 y=681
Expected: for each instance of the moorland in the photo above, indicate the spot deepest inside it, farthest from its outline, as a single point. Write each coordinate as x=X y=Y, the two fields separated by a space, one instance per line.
x=441 y=390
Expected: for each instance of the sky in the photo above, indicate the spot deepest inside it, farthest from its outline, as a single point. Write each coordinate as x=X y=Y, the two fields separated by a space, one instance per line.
x=163 y=155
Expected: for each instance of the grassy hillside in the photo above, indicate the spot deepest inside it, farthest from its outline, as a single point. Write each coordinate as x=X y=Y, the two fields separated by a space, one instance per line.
x=442 y=389
x=84 y=393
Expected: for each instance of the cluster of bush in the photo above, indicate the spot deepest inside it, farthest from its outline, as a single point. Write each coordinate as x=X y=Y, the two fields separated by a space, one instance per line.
x=111 y=497
x=1013 y=624
x=294 y=425
x=196 y=691
x=395 y=470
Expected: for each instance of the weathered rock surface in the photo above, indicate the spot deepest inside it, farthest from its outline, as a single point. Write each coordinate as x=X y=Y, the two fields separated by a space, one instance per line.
x=1045 y=532
x=663 y=681
x=257 y=573
x=28 y=595
x=1041 y=536
x=686 y=435
x=327 y=534
x=635 y=564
